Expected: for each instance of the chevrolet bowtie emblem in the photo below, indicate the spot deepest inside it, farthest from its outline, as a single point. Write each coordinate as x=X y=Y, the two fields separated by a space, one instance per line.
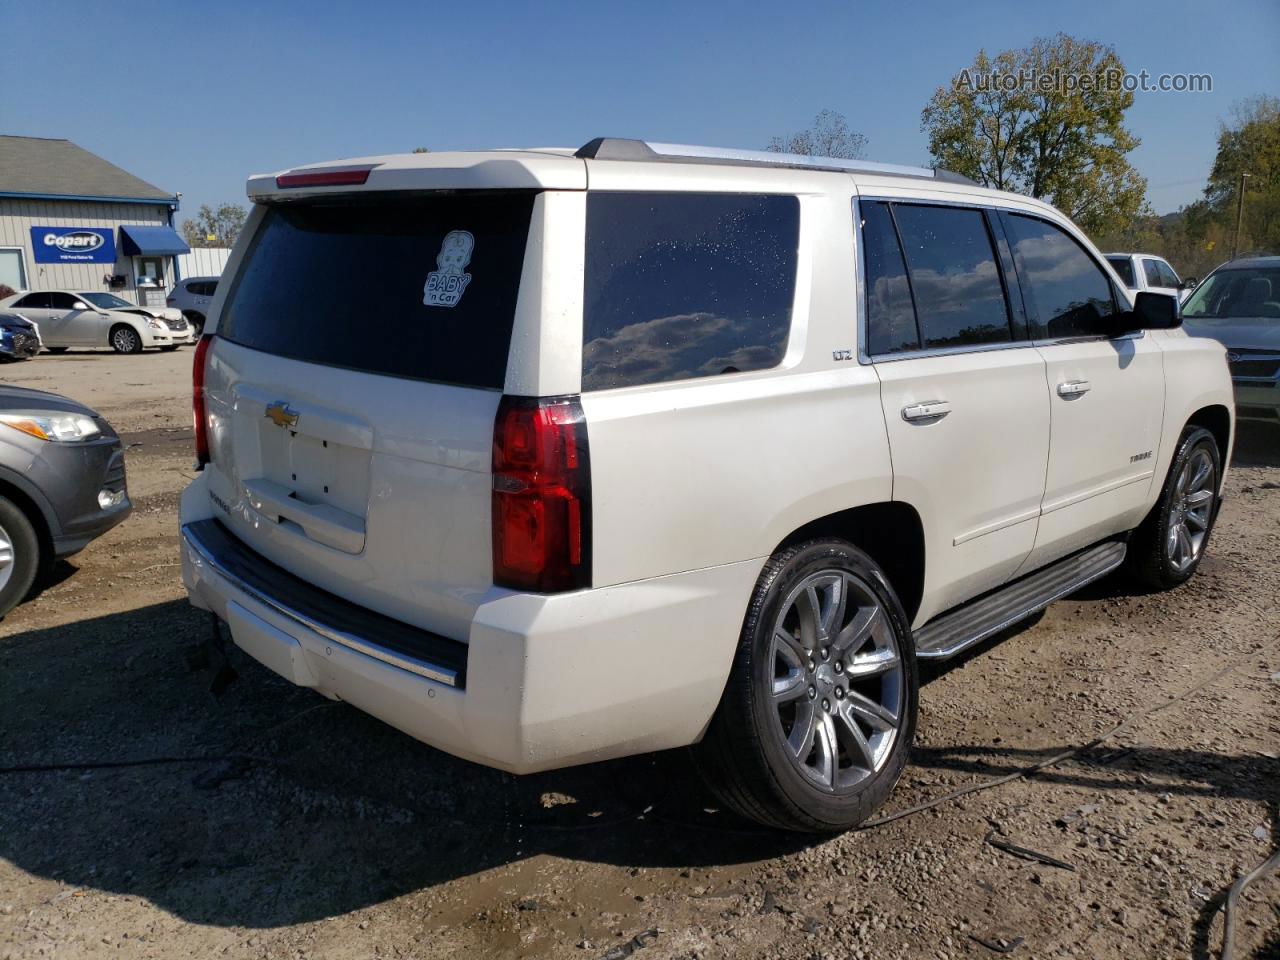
x=280 y=414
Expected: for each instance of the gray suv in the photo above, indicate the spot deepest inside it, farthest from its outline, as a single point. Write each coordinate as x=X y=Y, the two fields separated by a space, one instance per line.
x=193 y=296
x=62 y=484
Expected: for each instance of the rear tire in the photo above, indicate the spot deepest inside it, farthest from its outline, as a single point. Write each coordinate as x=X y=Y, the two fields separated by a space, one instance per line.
x=818 y=716
x=125 y=339
x=1167 y=548
x=19 y=555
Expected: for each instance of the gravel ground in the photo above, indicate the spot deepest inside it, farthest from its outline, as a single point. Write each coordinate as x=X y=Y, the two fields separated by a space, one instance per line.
x=314 y=831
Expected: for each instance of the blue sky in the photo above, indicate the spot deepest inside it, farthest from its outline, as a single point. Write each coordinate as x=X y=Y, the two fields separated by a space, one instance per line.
x=195 y=96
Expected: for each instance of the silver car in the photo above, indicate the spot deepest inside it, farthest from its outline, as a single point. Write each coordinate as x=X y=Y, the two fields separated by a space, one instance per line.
x=1239 y=305
x=192 y=297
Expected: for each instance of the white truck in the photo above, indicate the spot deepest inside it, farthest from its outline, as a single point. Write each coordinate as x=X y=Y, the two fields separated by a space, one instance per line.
x=676 y=446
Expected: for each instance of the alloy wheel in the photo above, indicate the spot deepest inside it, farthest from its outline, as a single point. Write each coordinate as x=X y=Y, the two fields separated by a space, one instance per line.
x=124 y=340
x=1191 y=510
x=838 y=689
x=6 y=558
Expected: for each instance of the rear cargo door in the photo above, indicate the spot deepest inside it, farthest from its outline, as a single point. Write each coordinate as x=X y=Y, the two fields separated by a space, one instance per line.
x=352 y=388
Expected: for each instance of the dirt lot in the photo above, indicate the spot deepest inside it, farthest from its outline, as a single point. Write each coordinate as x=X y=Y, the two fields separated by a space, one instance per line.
x=339 y=837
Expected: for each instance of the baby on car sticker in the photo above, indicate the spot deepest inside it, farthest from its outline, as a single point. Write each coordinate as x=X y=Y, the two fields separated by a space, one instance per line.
x=448 y=282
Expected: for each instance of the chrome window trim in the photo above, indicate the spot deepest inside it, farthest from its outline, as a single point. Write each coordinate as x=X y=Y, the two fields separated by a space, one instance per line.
x=422 y=668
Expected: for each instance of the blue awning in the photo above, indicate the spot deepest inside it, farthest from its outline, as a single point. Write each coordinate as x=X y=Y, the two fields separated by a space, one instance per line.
x=151 y=241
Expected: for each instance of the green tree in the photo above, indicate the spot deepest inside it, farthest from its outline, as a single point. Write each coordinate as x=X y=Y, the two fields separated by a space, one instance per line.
x=829 y=136
x=214 y=228
x=1250 y=144
x=1046 y=120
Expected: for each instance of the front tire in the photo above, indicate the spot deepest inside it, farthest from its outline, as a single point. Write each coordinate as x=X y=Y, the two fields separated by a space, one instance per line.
x=125 y=339
x=19 y=555
x=815 y=723
x=197 y=323
x=1169 y=545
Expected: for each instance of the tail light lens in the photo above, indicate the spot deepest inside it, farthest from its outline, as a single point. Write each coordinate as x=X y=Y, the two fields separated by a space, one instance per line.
x=541 y=495
x=197 y=400
x=170 y=300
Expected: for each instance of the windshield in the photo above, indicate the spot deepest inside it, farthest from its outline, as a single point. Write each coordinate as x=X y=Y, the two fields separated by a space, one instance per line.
x=105 y=301
x=1243 y=292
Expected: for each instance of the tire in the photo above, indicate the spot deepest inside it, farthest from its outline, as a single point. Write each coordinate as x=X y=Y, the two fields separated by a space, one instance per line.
x=197 y=323
x=19 y=555
x=746 y=758
x=1167 y=548
x=125 y=339
x=56 y=349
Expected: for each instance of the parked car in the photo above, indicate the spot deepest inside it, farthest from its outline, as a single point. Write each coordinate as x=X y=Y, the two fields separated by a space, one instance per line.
x=1239 y=305
x=73 y=318
x=19 y=338
x=1146 y=271
x=678 y=446
x=62 y=484
x=192 y=297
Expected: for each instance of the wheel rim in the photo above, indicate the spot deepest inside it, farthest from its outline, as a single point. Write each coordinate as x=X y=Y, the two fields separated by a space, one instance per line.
x=837 y=681
x=1191 y=511
x=6 y=557
x=123 y=340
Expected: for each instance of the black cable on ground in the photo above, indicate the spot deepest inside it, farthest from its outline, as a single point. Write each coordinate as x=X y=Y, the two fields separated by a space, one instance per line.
x=1229 y=924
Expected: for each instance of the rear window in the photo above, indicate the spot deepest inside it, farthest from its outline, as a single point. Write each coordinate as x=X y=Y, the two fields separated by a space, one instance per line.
x=406 y=286
x=684 y=285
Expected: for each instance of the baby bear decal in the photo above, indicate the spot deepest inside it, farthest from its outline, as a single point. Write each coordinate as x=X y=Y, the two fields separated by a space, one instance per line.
x=446 y=284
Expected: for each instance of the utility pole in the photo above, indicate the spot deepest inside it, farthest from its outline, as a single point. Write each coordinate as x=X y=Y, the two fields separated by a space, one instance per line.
x=1235 y=245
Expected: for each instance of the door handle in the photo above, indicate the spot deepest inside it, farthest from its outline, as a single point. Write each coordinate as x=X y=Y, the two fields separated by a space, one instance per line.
x=930 y=410
x=1070 y=389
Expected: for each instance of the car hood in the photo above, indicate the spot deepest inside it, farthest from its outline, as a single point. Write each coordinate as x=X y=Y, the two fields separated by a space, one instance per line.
x=25 y=398
x=1247 y=333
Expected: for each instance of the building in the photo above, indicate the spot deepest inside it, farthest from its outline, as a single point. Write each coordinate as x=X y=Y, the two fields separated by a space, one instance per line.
x=71 y=220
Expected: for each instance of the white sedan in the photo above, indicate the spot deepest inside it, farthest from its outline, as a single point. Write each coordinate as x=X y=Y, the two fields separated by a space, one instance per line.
x=79 y=318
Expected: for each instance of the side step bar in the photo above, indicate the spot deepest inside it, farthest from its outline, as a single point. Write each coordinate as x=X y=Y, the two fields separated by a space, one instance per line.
x=961 y=628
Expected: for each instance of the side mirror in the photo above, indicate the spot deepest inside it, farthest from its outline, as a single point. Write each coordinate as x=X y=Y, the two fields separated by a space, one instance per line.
x=79 y=305
x=1156 y=311
x=1189 y=283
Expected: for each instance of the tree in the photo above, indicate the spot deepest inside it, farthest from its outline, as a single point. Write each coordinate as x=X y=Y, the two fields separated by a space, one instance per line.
x=1249 y=145
x=214 y=228
x=1048 y=121
x=421 y=149
x=829 y=136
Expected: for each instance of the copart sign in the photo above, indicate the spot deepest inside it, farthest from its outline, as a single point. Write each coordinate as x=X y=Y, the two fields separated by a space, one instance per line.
x=73 y=245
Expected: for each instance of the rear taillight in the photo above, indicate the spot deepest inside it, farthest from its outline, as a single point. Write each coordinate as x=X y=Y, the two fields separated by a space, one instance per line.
x=197 y=400
x=541 y=495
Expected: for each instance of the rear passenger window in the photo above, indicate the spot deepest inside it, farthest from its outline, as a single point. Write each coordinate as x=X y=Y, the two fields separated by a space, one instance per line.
x=683 y=285
x=955 y=281
x=1152 y=270
x=891 y=319
x=1066 y=291
x=1123 y=267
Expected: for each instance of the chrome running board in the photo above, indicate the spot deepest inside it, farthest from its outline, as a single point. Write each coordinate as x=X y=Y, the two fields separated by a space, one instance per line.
x=961 y=628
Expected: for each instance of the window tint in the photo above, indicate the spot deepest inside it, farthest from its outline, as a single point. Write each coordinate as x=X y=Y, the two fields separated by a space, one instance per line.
x=682 y=285
x=202 y=288
x=1123 y=266
x=958 y=293
x=62 y=301
x=345 y=283
x=1070 y=292
x=34 y=301
x=1167 y=277
x=1152 y=273
x=891 y=318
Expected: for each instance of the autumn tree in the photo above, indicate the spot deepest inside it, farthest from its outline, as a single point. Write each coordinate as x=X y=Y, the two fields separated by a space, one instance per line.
x=829 y=136
x=1047 y=121
x=214 y=228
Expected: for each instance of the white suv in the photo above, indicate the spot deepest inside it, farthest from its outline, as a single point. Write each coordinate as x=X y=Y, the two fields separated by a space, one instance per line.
x=676 y=446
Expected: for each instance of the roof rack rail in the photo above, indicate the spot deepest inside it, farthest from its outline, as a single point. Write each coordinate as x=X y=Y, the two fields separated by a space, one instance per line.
x=619 y=148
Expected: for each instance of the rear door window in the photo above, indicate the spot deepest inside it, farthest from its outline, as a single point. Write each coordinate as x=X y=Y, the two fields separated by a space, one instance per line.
x=34 y=301
x=684 y=285
x=891 y=318
x=955 y=280
x=1123 y=267
x=421 y=287
x=1069 y=294
x=1152 y=271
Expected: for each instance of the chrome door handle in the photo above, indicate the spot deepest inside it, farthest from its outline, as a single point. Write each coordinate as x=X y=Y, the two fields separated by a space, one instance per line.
x=930 y=410
x=1074 y=388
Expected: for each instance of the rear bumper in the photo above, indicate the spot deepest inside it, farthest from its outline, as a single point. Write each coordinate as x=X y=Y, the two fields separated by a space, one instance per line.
x=540 y=682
